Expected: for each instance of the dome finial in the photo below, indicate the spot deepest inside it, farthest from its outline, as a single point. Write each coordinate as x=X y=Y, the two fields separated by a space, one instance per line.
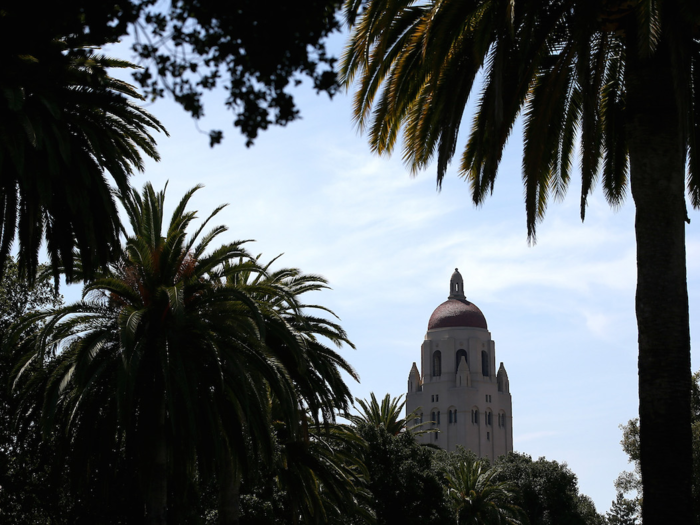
x=457 y=287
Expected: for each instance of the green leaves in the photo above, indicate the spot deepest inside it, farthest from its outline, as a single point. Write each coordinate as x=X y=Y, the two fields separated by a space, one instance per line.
x=65 y=125
x=188 y=350
x=478 y=498
x=559 y=65
x=386 y=416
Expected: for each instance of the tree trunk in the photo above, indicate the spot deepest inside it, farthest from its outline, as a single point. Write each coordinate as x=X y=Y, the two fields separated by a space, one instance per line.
x=229 y=492
x=657 y=153
x=156 y=489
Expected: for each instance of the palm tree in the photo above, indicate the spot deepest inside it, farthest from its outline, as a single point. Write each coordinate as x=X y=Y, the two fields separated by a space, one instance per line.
x=299 y=338
x=162 y=363
x=623 y=77
x=322 y=477
x=323 y=474
x=387 y=415
x=477 y=499
x=65 y=125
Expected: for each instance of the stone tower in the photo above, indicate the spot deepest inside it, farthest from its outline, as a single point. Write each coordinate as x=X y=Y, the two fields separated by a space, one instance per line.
x=458 y=389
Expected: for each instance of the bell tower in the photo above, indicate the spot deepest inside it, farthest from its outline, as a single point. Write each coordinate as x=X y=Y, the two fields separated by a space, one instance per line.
x=458 y=390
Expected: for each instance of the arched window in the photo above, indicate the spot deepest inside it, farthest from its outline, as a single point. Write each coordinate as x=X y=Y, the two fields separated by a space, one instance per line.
x=454 y=418
x=458 y=358
x=438 y=420
x=484 y=363
x=437 y=363
x=450 y=418
x=487 y=419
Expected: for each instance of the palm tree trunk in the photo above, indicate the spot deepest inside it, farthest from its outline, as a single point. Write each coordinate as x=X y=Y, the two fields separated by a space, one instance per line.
x=229 y=492
x=657 y=172
x=157 y=488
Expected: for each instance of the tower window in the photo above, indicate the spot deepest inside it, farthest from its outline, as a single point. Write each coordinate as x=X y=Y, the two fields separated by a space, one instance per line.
x=450 y=418
x=460 y=353
x=437 y=397
x=488 y=436
x=455 y=416
x=484 y=363
x=437 y=363
x=438 y=419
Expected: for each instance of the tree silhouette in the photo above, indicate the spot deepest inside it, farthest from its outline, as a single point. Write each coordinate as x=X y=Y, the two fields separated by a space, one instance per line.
x=622 y=78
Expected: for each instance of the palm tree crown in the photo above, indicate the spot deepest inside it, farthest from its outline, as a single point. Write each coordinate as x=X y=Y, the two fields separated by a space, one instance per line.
x=619 y=77
x=559 y=63
x=64 y=125
x=176 y=361
x=478 y=499
x=387 y=415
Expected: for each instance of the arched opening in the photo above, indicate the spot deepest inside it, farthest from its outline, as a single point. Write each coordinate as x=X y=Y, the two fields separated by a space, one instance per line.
x=437 y=363
x=460 y=353
x=484 y=363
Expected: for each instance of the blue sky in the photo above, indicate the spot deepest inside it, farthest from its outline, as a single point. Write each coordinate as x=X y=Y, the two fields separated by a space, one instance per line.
x=561 y=312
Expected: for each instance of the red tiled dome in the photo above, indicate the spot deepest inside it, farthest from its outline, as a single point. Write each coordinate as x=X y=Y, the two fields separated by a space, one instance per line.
x=457 y=314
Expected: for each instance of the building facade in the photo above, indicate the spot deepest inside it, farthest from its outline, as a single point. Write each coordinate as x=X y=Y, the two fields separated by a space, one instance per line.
x=458 y=389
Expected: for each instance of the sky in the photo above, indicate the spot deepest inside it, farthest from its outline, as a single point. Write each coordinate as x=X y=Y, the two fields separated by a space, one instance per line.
x=561 y=312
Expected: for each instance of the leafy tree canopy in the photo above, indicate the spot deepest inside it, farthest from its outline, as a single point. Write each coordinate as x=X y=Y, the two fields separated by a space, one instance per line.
x=548 y=490
x=26 y=496
x=405 y=482
x=254 y=49
x=68 y=133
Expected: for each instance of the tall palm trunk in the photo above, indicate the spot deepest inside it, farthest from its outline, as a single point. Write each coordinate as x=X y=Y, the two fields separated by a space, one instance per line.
x=229 y=492
x=657 y=172
x=157 y=489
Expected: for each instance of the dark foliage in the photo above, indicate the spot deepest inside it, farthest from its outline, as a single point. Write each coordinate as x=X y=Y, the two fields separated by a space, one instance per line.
x=69 y=133
x=26 y=479
x=622 y=512
x=549 y=491
x=406 y=487
x=254 y=49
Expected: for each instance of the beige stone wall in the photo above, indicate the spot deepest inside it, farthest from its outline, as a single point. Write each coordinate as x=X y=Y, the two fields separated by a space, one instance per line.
x=465 y=393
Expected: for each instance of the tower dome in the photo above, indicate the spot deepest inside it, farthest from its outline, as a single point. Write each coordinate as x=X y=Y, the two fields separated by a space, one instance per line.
x=457 y=312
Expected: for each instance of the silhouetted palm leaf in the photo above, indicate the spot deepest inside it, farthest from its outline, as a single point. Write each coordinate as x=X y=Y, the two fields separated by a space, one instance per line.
x=65 y=127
